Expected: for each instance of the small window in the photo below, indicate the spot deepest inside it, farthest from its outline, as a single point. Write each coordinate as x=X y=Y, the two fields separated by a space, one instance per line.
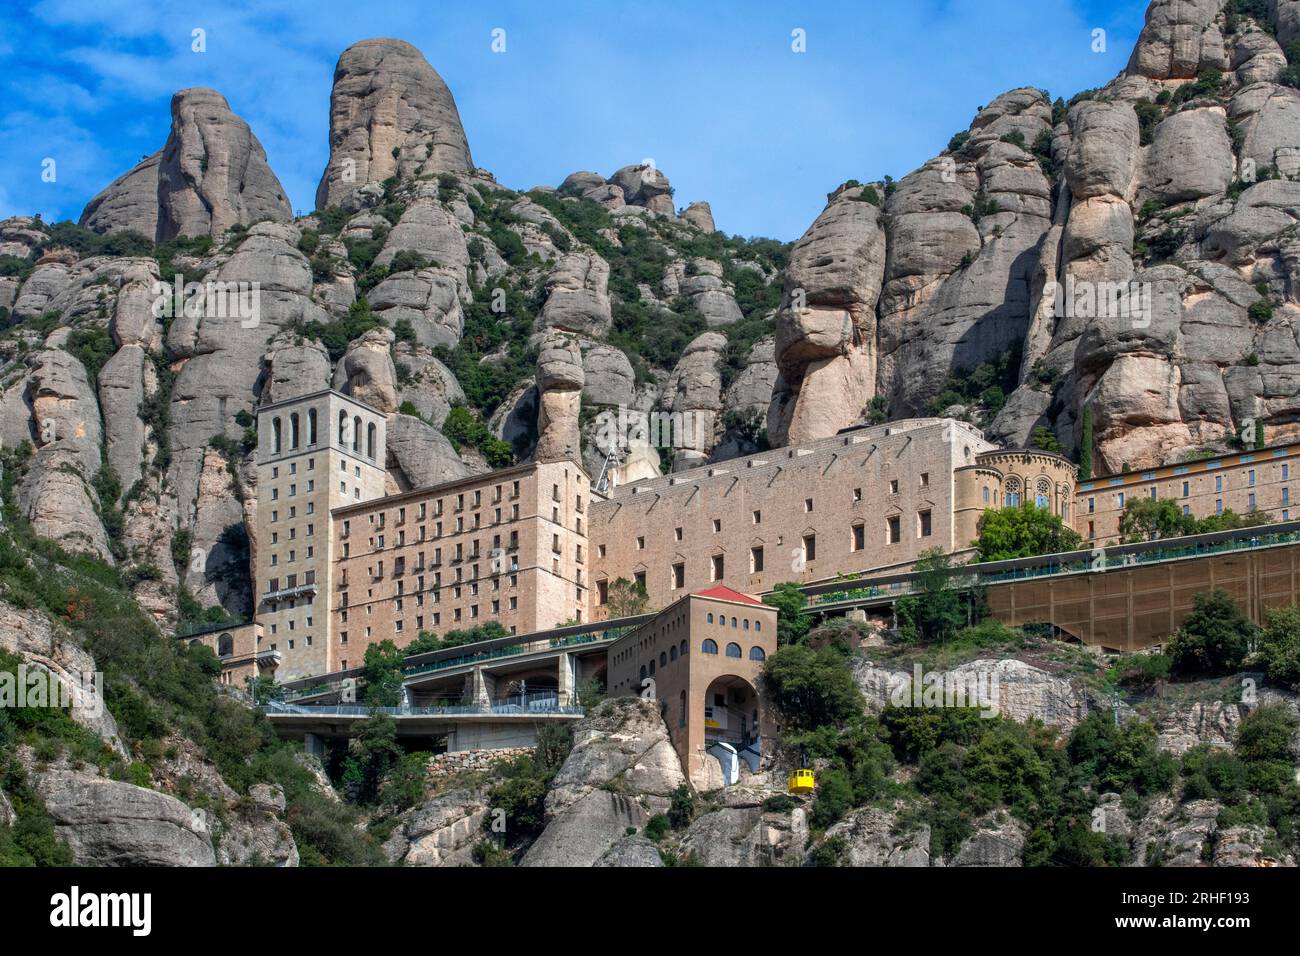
x=718 y=567
x=679 y=575
x=808 y=505
x=758 y=517
x=893 y=486
x=755 y=560
x=894 y=533
x=859 y=537
x=924 y=524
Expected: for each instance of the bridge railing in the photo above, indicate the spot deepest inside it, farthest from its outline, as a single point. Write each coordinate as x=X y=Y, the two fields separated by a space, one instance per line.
x=540 y=707
x=514 y=650
x=1074 y=562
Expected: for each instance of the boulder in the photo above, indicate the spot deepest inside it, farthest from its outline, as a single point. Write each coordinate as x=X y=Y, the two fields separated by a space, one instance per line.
x=577 y=296
x=700 y=215
x=440 y=832
x=998 y=840
x=129 y=203
x=419 y=454
x=109 y=823
x=428 y=299
x=871 y=837
x=366 y=371
x=631 y=851
x=213 y=172
x=391 y=114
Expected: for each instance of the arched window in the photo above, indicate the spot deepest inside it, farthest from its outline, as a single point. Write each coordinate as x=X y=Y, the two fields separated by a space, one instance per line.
x=293 y=430
x=643 y=672
x=709 y=619
x=758 y=625
x=986 y=494
x=733 y=649
x=733 y=622
x=681 y=720
x=370 y=441
x=1043 y=493
x=343 y=429
x=311 y=426
x=356 y=434
x=710 y=646
x=275 y=436
x=652 y=667
x=1012 y=499
x=683 y=647
x=745 y=622
x=663 y=658
x=672 y=653
x=225 y=645
x=756 y=653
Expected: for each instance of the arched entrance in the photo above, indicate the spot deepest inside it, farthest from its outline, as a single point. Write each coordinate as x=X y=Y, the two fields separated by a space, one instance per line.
x=731 y=712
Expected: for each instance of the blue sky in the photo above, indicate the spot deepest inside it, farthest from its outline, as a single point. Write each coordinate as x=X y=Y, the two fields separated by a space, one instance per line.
x=711 y=91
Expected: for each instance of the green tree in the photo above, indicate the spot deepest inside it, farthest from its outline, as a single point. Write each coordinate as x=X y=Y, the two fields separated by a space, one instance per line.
x=1145 y=519
x=373 y=753
x=810 y=688
x=626 y=598
x=1023 y=533
x=381 y=675
x=1213 y=640
x=1279 y=645
x=935 y=612
x=1085 y=444
x=792 y=623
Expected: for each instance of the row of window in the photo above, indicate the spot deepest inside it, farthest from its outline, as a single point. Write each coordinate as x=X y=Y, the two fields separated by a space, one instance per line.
x=1121 y=497
x=710 y=646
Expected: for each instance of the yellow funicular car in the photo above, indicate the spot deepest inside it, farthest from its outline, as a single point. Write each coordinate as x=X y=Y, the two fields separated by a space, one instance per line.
x=801 y=781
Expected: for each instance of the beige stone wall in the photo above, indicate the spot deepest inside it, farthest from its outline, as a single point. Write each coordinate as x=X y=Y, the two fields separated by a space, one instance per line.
x=1010 y=478
x=503 y=546
x=299 y=481
x=890 y=480
x=671 y=649
x=237 y=649
x=1201 y=488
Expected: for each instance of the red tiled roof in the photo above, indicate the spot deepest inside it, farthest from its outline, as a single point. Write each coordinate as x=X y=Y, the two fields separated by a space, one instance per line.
x=724 y=593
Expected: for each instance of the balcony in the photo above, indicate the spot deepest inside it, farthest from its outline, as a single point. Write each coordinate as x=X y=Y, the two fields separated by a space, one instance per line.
x=284 y=594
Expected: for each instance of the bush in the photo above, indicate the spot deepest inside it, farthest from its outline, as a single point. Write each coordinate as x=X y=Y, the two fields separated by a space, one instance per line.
x=1023 y=532
x=792 y=624
x=1213 y=640
x=1279 y=645
x=810 y=688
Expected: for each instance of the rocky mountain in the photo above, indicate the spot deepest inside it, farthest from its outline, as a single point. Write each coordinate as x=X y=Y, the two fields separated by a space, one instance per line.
x=493 y=324
x=1171 y=192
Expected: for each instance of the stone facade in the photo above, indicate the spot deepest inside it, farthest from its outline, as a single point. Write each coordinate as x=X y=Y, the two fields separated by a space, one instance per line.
x=315 y=453
x=1008 y=478
x=1244 y=482
x=509 y=546
x=868 y=498
x=240 y=651
x=702 y=657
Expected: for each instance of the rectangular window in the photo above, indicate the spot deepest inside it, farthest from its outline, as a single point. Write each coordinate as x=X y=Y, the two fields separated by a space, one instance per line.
x=602 y=592
x=924 y=524
x=894 y=532
x=1092 y=505
x=718 y=567
x=859 y=537
x=1186 y=489
x=755 y=560
x=1218 y=483
x=679 y=575
x=810 y=547
x=1251 y=475
x=758 y=517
